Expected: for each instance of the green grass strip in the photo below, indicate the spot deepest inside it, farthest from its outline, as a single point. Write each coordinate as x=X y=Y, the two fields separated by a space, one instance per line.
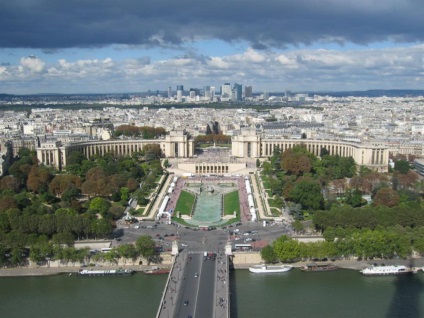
x=185 y=203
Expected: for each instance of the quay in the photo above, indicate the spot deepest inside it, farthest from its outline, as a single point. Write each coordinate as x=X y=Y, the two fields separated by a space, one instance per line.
x=197 y=286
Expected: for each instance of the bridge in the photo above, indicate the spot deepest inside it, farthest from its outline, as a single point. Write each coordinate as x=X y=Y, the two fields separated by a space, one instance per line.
x=197 y=286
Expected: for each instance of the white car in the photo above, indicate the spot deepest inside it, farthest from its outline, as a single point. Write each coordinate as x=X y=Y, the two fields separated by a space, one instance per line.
x=184 y=245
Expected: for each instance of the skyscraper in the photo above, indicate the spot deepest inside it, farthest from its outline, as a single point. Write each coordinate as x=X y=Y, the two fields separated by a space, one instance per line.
x=207 y=91
x=180 y=89
x=226 y=90
x=169 y=92
x=237 y=92
x=247 y=91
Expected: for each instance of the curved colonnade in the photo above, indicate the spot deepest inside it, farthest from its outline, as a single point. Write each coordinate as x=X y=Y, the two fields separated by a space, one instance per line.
x=247 y=145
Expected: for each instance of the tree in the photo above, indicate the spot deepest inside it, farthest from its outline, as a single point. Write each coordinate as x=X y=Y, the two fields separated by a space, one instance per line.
x=146 y=247
x=298 y=226
x=286 y=249
x=128 y=251
x=101 y=227
x=353 y=198
x=64 y=182
x=10 y=183
x=8 y=157
x=402 y=166
x=166 y=164
x=38 y=179
x=99 y=205
x=115 y=212
x=308 y=193
x=387 y=197
x=296 y=161
x=268 y=255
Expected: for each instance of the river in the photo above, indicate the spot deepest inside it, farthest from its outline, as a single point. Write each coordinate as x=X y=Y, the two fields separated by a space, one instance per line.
x=342 y=293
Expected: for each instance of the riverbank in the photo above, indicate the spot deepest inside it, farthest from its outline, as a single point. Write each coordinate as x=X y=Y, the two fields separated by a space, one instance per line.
x=345 y=264
x=354 y=264
x=45 y=271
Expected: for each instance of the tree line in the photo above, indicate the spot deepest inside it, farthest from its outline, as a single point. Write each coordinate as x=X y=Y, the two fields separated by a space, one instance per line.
x=342 y=243
x=40 y=205
x=43 y=251
x=144 y=132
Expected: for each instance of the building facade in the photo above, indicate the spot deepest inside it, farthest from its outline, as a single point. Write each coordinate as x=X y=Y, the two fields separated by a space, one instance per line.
x=247 y=145
x=251 y=144
x=178 y=144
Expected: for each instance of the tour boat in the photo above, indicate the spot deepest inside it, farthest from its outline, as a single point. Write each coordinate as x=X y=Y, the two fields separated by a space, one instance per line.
x=156 y=271
x=319 y=268
x=270 y=269
x=105 y=272
x=388 y=270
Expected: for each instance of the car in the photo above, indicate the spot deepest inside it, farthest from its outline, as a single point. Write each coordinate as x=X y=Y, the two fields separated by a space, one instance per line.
x=185 y=302
x=196 y=275
x=184 y=245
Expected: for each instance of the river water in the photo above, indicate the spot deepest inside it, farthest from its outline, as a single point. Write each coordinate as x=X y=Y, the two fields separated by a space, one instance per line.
x=342 y=293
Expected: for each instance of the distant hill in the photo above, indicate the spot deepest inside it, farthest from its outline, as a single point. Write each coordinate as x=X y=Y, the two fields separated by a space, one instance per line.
x=375 y=93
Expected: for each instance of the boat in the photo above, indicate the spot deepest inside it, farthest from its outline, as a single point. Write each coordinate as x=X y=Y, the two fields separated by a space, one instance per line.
x=376 y=270
x=105 y=272
x=313 y=267
x=270 y=269
x=157 y=271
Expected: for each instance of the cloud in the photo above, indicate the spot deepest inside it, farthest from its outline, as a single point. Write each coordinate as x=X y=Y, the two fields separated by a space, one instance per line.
x=32 y=64
x=54 y=24
x=303 y=69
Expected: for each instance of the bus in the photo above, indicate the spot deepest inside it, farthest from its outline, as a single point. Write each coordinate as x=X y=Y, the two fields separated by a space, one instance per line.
x=243 y=247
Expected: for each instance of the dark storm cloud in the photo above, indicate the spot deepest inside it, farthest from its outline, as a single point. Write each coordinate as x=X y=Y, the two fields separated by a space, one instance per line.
x=52 y=24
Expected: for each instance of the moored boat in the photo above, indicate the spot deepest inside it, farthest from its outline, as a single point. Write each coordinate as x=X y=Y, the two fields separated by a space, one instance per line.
x=105 y=272
x=313 y=267
x=156 y=271
x=270 y=269
x=388 y=270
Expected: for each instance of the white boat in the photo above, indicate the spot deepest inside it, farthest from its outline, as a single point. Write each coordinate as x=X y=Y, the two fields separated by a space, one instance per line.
x=270 y=269
x=388 y=270
x=106 y=272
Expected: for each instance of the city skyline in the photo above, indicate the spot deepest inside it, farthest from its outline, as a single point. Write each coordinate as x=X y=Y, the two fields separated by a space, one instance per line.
x=106 y=47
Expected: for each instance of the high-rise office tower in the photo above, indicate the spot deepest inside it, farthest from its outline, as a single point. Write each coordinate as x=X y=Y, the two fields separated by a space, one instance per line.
x=226 y=91
x=180 y=89
x=207 y=91
x=213 y=90
x=248 y=91
x=237 y=92
x=169 y=92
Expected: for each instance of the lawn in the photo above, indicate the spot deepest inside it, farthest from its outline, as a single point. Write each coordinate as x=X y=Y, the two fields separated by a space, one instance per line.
x=275 y=212
x=265 y=182
x=274 y=203
x=231 y=203
x=185 y=203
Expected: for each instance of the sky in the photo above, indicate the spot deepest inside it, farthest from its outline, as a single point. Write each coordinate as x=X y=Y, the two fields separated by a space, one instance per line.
x=110 y=46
